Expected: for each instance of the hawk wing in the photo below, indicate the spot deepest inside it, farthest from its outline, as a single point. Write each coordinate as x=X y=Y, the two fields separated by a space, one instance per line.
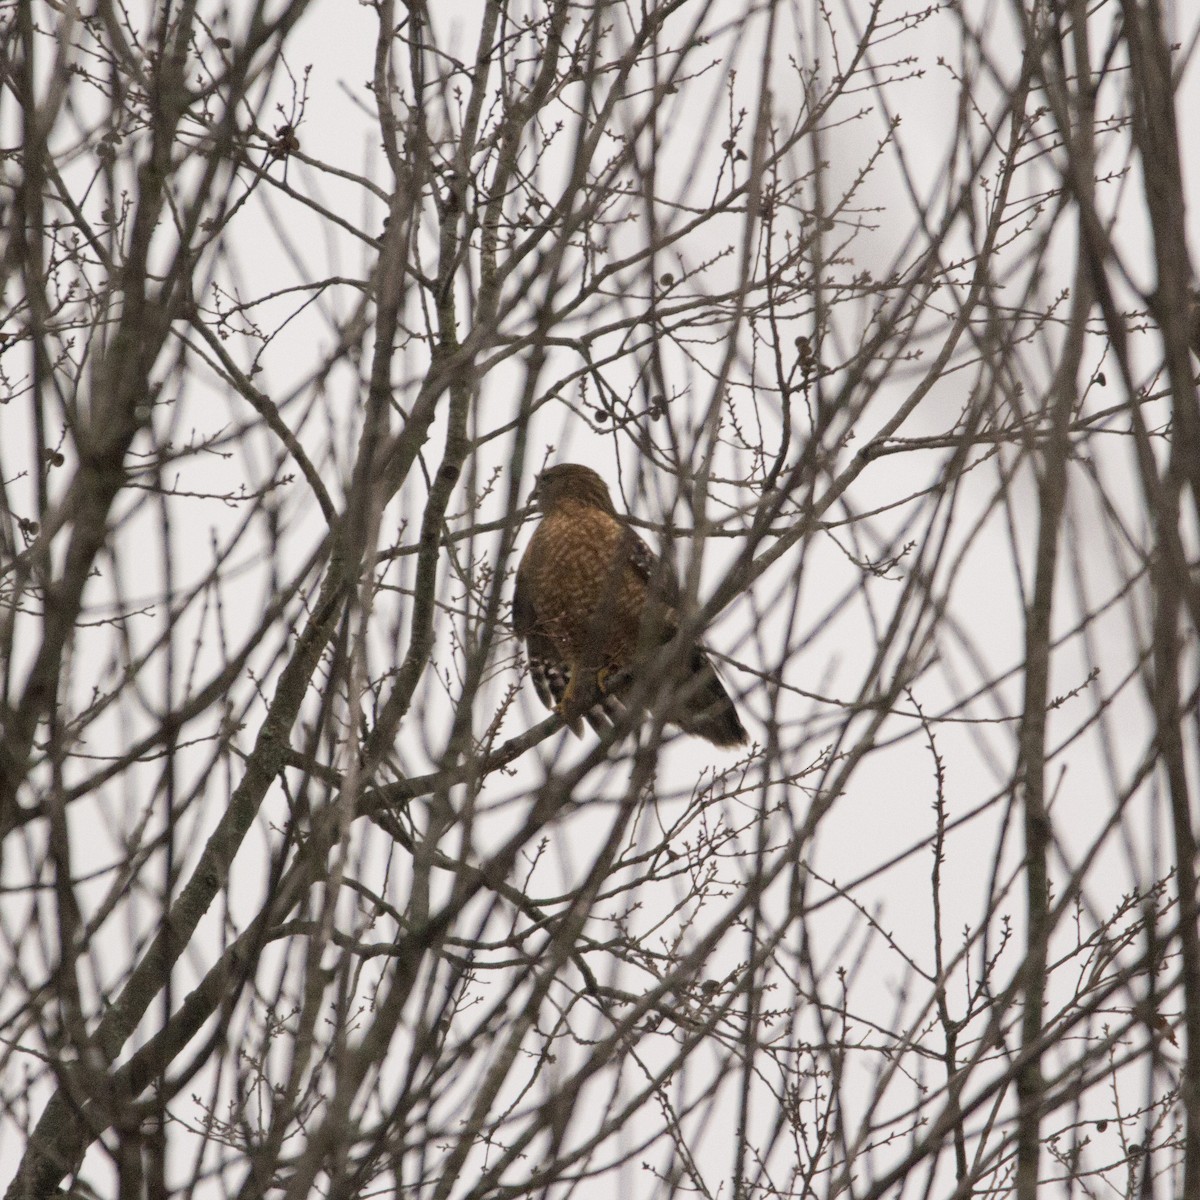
x=538 y=647
x=654 y=572
x=704 y=706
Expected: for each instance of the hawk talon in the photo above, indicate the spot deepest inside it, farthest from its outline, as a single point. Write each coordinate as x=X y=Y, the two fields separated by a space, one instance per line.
x=563 y=707
x=572 y=705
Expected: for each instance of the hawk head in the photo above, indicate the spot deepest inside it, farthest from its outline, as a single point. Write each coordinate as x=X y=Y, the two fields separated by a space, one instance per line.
x=570 y=481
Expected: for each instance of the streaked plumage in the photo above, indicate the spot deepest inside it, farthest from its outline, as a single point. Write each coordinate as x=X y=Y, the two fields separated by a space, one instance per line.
x=591 y=599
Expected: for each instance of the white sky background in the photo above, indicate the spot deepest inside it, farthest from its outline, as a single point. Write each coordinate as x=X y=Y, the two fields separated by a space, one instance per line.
x=887 y=808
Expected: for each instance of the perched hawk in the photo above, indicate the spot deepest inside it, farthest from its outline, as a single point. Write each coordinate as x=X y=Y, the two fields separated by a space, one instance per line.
x=591 y=600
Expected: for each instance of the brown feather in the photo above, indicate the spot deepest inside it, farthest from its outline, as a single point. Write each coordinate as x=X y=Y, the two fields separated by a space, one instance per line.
x=591 y=599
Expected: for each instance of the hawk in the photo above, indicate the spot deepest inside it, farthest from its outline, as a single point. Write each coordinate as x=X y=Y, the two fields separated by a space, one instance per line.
x=592 y=599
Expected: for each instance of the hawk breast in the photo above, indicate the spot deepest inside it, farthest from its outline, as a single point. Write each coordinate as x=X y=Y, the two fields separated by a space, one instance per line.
x=586 y=598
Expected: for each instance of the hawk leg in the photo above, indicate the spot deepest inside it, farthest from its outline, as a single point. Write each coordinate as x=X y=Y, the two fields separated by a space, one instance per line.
x=563 y=707
x=579 y=694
